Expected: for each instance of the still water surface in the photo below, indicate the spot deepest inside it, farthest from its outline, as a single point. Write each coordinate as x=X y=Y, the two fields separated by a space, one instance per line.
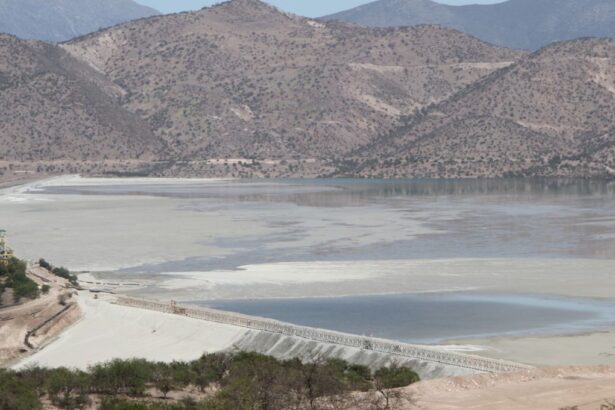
x=210 y=240
x=434 y=318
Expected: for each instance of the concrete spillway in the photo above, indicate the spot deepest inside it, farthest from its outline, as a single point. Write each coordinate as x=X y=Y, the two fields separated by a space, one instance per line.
x=283 y=340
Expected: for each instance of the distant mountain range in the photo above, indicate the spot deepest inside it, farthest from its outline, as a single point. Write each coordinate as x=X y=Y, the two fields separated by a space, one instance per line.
x=242 y=89
x=61 y=20
x=525 y=24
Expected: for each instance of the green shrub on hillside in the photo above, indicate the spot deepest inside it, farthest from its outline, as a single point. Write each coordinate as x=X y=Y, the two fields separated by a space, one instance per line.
x=44 y=264
x=60 y=272
x=14 y=274
x=23 y=287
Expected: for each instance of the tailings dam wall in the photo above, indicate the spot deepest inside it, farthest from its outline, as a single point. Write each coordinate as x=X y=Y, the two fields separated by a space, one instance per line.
x=284 y=340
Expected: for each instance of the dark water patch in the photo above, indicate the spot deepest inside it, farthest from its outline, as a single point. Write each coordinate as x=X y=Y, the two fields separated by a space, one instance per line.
x=433 y=318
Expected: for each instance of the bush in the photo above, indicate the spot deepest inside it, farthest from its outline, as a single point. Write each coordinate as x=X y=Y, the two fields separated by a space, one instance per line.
x=395 y=376
x=44 y=264
x=210 y=368
x=355 y=377
x=45 y=289
x=23 y=287
x=60 y=272
x=65 y=273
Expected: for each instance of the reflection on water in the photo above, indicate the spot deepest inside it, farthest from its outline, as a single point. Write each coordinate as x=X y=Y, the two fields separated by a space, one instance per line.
x=434 y=318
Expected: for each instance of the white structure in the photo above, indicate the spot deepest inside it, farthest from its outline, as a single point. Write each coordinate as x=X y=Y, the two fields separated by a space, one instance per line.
x=5 y=252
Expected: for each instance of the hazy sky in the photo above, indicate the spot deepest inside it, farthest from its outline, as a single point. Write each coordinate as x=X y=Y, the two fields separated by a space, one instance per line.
x=310 y=8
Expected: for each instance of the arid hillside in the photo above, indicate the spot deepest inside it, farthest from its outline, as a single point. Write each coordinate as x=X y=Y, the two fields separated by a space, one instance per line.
x=243 y=89
x=54 y=107
x=244 y=80
x=552 y=113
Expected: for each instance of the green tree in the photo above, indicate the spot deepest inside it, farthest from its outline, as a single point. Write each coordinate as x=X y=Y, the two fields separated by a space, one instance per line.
x=395 y=376
x=122 y=376
x=17 y=392
x=23 y=287
x=162 y=377
x=392 y=377
x=210 y=368
x=68 y=389
x=44 y=264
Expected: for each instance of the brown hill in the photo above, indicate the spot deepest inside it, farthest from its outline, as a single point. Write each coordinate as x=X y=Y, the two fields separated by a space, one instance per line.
x=244 y=80
x=552 y=113
x=243 y=89
x=55 y=107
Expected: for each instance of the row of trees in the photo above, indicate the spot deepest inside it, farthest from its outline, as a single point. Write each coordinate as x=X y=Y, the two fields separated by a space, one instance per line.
x=60 y=272
x=13 y=276
x=219 y=381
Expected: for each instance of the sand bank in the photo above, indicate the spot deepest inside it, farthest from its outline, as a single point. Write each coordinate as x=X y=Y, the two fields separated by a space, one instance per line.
x=582 y=349
x=558 y=277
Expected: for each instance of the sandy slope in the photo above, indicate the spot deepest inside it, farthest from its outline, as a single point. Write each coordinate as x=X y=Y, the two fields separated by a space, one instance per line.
x=109 y=331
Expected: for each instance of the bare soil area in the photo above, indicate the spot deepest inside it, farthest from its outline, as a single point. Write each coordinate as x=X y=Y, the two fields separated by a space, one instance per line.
x=539 y=389
x=28 y=326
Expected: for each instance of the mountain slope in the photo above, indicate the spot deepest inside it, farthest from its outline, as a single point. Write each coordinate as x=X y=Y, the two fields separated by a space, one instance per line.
x=552 y=113
x=526 y=24
x=61 y=20
x=244 y=80
x=53 y=107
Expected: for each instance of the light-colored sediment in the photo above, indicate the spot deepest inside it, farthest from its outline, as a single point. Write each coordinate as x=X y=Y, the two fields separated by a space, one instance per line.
x=588 y=349
x=337 y=278
x=537 y=389
x=109 y=331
